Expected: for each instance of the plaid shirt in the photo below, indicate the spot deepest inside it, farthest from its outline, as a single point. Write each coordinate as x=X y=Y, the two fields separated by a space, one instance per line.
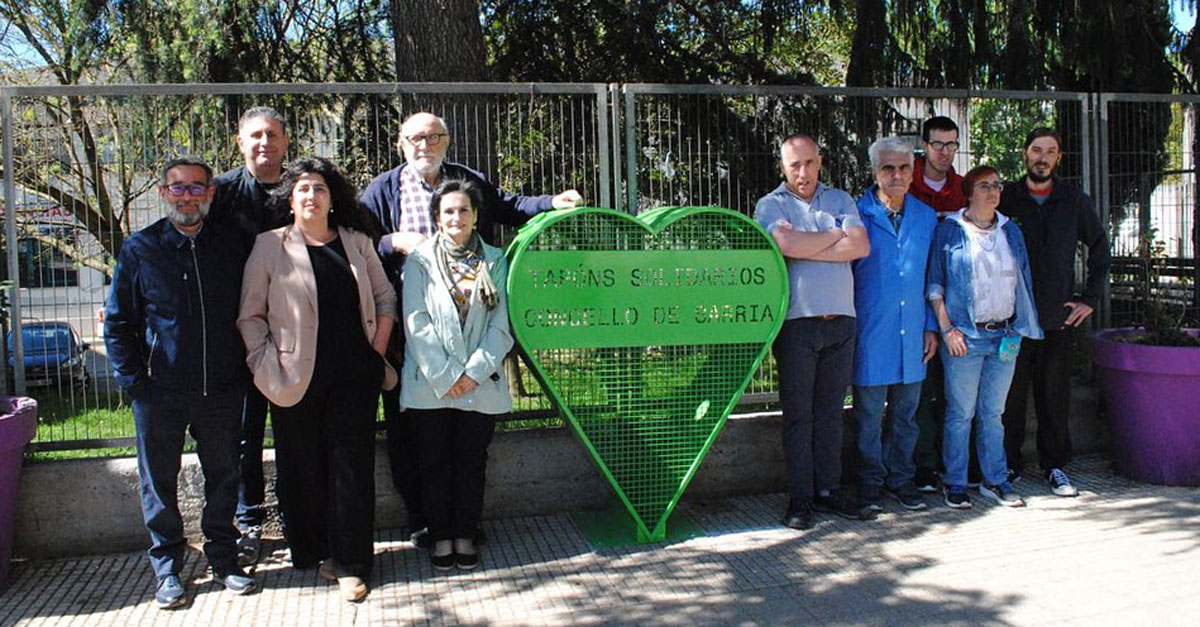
x=399 y=199
x=415 y=196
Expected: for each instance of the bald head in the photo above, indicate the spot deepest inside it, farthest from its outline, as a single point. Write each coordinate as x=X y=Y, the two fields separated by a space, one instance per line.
x=800 y=161
x=424 y=139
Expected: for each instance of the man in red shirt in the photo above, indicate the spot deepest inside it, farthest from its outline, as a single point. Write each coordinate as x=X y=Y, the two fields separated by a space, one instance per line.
x=936 y=184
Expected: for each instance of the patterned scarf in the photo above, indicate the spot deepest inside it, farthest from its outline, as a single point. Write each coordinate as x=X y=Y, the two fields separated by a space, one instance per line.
x=461 y=265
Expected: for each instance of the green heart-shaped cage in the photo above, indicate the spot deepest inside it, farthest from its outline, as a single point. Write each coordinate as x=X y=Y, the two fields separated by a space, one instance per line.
x=644 y=332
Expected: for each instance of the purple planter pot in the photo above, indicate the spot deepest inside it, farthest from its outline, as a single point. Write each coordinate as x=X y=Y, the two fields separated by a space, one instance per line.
x=1152 y=396
x=18 y=425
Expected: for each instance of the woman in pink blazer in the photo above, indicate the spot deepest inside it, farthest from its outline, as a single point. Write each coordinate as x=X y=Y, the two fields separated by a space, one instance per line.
x=316 y=313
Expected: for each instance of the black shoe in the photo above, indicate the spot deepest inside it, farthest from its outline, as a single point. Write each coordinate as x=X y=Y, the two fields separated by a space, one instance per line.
x=909 y=496
x=235 y=580
x=872 y=498
x=442 y=562
x=466 y=561
x=249 y=546
x=799 y=514
x=841 y=504
x=420 y=538
x=926 y=480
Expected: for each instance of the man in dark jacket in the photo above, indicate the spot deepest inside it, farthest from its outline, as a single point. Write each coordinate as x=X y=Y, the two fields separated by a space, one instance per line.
x=241 y=202
x=1055 y=218
x=170 y=331
x=399 y=199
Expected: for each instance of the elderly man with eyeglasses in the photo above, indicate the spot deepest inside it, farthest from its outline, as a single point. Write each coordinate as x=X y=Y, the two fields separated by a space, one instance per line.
x=399 y=199
x=171 y=334
x=897 y=333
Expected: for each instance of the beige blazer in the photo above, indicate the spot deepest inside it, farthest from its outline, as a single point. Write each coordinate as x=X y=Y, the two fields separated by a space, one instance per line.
x=278 y=315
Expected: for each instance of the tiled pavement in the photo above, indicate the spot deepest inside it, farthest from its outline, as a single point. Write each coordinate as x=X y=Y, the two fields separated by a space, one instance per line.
x=1120 y=554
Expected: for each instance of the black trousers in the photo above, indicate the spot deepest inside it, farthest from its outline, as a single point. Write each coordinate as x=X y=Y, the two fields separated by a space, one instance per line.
x=1044 y=365
x=452 y=447
x=815 y=358
x=325 y=458
x=402 y=452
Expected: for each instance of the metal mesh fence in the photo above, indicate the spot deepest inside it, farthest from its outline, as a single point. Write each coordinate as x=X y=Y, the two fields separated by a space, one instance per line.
x=693 y=145
x=84 y=168
x=1150 y=198
x=80 y=169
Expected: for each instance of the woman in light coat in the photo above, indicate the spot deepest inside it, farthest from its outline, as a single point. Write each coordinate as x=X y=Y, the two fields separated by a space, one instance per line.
x=454 y=386
x=316 y=313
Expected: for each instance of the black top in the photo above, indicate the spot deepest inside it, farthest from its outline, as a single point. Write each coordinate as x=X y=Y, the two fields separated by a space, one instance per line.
x=340 y=340
x=1053 y=232
x=241 y=200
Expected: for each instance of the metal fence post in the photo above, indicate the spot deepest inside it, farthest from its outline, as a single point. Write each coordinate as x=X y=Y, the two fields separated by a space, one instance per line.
x=10 y=234
x=1102 y=195
x=602 y=132
x=631 y=172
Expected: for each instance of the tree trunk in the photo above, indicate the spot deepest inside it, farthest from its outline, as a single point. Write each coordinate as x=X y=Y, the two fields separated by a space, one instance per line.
x=438 y=40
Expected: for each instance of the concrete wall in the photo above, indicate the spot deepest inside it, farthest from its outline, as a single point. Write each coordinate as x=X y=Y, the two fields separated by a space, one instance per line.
x=82 y=507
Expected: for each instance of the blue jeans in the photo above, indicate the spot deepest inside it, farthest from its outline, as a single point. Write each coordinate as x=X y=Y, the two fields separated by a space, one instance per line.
x=215 y=422
x=815 y=359
x=976 y=388
x=885 y=455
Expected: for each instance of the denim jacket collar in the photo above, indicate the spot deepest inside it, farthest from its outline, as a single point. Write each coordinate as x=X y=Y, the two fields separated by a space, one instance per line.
x=960 y=303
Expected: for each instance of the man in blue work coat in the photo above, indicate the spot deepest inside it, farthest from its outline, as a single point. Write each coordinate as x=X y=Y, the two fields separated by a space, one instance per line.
x=897 y=333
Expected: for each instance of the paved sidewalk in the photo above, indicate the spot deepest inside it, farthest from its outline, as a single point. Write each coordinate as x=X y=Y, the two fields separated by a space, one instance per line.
x=1122 y=553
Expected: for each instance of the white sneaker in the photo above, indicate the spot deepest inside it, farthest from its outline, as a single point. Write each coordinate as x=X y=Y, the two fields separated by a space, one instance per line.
x=1002 y=494
x=1060 y=483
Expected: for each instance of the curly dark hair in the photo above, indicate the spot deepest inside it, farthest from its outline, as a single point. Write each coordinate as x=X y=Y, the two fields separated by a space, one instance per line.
x=345 y=210
x=451 y=185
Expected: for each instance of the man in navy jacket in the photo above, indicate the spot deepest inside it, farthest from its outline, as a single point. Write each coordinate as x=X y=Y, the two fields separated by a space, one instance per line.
x=170 y=331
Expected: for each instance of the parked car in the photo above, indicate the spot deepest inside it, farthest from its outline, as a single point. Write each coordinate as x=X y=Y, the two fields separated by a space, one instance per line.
x=54 y=354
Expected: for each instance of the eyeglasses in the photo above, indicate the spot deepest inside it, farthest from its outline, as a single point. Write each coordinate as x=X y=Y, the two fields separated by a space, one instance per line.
x=990 y=187
x=431 y=139
x=943 y=146
x=179 y=189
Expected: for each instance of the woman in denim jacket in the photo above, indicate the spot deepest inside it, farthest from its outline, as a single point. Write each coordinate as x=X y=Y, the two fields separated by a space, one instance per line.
x=457 y=334
x=980 y=289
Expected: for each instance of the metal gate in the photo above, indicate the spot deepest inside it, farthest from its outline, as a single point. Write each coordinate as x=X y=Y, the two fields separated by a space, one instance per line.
x=79 y=167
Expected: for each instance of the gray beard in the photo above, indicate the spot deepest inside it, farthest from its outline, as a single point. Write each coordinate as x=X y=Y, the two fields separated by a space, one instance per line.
x=426 y=171
x=185 y=220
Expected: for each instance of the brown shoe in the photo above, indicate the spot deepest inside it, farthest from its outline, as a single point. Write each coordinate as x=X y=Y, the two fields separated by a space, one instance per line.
x=326 y=571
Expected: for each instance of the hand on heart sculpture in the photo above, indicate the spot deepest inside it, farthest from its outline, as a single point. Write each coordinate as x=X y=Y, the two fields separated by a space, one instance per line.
x=644 y=331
